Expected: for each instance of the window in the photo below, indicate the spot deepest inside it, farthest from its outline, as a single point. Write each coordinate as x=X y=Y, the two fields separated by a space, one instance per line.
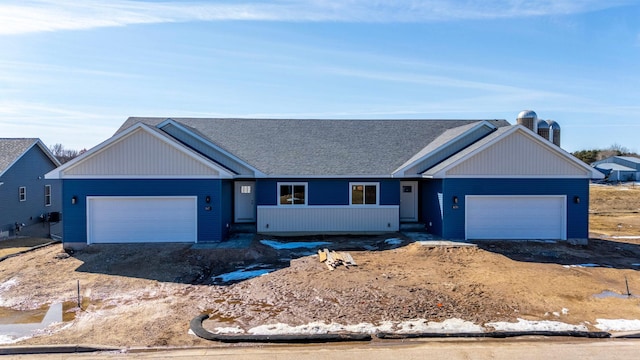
x=245 y=189
x=364 y=193
x=22 y=193
x=292 y=193
x=47 y=195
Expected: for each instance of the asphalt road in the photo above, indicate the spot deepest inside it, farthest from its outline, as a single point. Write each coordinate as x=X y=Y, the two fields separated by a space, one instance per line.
x=547 y=349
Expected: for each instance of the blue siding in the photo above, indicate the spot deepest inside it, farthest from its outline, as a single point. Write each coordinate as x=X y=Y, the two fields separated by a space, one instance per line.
x=211 y=225
x=577 y=214
x=25 y=172
x=226 y=208
x=327 y=191
x=431 y=206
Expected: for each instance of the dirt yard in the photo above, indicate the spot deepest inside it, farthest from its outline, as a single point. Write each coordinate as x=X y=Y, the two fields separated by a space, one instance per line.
x=615 y=210
x=134 y=295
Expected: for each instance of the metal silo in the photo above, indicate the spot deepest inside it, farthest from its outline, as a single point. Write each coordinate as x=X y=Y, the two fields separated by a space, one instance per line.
x=554 y=132
x=543 y=129
x=528 y=119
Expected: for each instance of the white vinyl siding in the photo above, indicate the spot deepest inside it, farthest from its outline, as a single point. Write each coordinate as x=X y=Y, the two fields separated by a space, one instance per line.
x=517 y=155
x=141 y=154
x=141 y=219
x=516 y=217
x=327 y=219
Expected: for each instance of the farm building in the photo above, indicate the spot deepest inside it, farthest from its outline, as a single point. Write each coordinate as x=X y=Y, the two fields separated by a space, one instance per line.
x=26 y=197
x=620 y=168
x=196 y=179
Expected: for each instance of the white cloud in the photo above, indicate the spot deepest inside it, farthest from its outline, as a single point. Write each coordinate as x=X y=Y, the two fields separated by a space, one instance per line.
x=29 y=16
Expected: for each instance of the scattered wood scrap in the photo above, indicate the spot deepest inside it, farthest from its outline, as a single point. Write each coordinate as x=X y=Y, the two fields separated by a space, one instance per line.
x=334 y=259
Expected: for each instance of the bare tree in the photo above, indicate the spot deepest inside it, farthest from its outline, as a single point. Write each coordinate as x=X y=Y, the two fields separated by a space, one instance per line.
x=63 y=155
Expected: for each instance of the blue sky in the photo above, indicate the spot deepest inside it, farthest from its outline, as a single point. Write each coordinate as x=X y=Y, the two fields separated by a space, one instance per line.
x=72 y=71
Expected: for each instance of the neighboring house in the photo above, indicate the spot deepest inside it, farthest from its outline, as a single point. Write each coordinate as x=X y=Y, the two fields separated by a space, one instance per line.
x=619 y=168
x=194 y=179
x=26 y=197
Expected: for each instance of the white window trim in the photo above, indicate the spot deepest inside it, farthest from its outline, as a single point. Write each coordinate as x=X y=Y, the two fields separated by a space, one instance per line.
x=22 y=190
x=47 y=198
x=352 y=184
x=306 y=193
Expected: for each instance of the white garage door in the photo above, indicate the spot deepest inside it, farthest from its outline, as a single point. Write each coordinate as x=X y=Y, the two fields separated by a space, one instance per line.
x=141 y=219
x=516 y=217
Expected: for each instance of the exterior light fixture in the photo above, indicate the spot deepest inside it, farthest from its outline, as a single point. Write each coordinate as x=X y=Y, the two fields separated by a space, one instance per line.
x=576 y=199
x=207 y=199
x=74 y=200
x=455 y=199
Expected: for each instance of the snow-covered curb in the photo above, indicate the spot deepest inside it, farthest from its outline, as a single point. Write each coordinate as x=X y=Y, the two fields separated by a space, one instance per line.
x=314 y=328
x=531 y=325
x=425 y=326
x=617 y=325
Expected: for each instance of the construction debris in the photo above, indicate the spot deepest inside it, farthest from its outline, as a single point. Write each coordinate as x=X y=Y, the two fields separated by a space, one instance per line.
x=334 y=259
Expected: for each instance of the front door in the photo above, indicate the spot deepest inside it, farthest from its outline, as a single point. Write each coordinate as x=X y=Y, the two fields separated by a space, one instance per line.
x=245 y=202
x=408 y=201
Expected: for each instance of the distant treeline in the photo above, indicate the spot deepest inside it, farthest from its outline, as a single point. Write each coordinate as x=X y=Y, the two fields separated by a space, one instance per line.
x=593 y=155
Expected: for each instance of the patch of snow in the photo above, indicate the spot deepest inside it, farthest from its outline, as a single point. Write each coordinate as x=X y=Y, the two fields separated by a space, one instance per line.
x=393 y=241
x=406 y=327
x=580 y=266
x=229 y=330
x=617 y=325
x=293 y=245
x=528 y=325
x=242 y=274
x=626 y=237
x=447 y=326
x=7 y=339
x=8 y=284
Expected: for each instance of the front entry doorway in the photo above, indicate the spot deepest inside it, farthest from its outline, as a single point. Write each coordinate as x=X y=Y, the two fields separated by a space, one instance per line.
x=408 y=201
x=245 y=202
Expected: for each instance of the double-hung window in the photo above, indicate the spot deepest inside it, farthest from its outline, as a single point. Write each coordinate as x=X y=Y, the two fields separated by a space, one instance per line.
x=47 y=195
x=364 y=193
x=292 y=194
x=22 y=193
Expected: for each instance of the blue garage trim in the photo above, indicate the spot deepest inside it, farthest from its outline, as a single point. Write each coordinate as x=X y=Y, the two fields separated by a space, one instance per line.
x=327 y=191
x=211 y=224
x=454 y=216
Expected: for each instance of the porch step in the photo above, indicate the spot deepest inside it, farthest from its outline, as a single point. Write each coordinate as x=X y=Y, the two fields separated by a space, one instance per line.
x=412 y=227
x=243 y=228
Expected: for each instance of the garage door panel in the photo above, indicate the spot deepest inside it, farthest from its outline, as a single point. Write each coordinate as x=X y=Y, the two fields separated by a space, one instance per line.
x=515 y=217
x=135 y=219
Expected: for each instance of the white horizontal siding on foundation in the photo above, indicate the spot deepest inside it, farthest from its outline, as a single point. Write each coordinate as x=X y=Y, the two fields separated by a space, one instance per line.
x=327 y=219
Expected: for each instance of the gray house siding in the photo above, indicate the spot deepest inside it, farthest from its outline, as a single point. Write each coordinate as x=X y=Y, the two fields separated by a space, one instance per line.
x=29 y=172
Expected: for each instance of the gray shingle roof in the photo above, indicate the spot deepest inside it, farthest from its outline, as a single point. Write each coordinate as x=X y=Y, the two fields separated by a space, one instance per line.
x=319 y=147
x=12 y=149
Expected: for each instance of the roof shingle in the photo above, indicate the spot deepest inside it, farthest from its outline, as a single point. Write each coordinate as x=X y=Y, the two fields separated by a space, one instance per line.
x=319 y=147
